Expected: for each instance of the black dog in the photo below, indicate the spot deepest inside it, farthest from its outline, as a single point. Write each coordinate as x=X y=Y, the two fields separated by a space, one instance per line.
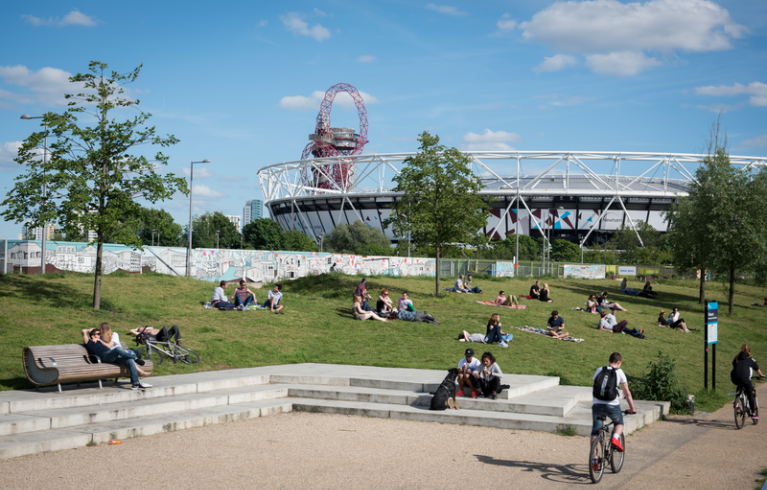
x=446 y=391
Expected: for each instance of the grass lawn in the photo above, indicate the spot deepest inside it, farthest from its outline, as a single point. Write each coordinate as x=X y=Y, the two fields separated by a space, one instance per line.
x=318 y=327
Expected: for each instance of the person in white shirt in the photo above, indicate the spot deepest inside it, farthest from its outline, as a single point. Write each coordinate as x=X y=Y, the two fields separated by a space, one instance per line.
x=468 y=370
x=458 y=287
x=611 y=408
x=219 y=299
x=273 y=299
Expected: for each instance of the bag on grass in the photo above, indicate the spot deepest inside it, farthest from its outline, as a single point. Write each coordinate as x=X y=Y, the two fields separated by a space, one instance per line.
x=606 y=385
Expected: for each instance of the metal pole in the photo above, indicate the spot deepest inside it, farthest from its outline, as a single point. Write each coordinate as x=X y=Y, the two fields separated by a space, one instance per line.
x=516 y=232
x=189 y=231
x=217 y=233
x=45 y=198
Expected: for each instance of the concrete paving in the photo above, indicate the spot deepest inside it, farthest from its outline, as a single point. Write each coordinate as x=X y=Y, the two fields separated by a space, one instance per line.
x=44 y=420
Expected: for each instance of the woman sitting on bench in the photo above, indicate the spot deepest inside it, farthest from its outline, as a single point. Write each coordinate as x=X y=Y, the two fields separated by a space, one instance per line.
x=109 y=353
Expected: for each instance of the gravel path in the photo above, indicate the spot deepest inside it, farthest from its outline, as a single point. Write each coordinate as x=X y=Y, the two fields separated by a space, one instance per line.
x=302 y=450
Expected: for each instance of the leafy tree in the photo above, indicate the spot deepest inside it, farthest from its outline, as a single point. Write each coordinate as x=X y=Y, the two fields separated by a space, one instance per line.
x=298 y=241
x=440 y=206
x=204 y=230
x=359 y=239
x=93 y=181
x=565 y=251
x=652 y=250
x=168 y=232
x=263 y=234
x=686 y=237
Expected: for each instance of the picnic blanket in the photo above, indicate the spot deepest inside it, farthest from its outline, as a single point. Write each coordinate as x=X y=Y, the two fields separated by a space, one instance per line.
x=490 y=303
x=541 y=331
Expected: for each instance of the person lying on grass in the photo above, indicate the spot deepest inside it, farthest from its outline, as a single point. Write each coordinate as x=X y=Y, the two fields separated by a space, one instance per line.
x=609 y=323
x=162 y=335
x=503 y=300
x=273 y=300
x=361 y=314
x=606 y=304
x=556 y=325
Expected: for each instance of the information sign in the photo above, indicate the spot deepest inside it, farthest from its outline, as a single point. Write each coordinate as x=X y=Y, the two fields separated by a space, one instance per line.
x=712 y=323
x=627 y=270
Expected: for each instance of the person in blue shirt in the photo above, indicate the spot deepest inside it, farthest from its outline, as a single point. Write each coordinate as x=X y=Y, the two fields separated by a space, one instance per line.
x=96 y=346
x=273 y=299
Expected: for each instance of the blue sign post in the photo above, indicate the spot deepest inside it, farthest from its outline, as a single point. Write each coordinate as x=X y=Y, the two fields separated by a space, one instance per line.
x=712 y=337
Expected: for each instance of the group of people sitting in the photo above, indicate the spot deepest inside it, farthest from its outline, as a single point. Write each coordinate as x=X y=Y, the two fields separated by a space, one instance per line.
x=542 y=294
x=597 y=303
x=483 y=378
x=646 y=291
x=493 y=334
x=105 y=344
x=242 y=298
x=361 y=309
x=465 y=287
x=674 y=321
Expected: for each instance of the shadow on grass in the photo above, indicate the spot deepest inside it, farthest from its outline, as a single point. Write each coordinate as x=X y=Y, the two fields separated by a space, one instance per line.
x=16 y=383
x=344 y=312
x=41 y=292
x=665 y=301
x=573 y=474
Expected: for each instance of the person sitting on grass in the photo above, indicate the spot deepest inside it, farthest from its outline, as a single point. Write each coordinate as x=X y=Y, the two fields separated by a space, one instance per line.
x=494 y=333
x=620 y=327
x=625 y=289
x=591 y=305
x=472 y=289
x=360 y=313
x=362 y=292
x=504 y=300
x=647 y=291
x=384 y=304
x=114 y=354
x=273 y=300
x=676 y=321
x=556 y=325
x=162 y=335
x=243 y=296
x=606 y=304
x=219 y=299
x=535 y=290
x=404 y=303
x=458 y=287
x=545 y=294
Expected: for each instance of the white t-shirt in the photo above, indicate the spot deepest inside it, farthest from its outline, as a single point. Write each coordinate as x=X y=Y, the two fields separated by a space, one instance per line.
x=116 y=339
x=473 y=365
x=620 y=379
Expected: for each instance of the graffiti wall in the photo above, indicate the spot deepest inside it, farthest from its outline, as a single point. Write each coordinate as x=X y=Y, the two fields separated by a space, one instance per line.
x=580 y=271
x=503 y=269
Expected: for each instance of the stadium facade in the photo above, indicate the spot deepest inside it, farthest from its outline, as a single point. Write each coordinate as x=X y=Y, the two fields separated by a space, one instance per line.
x=583 y=197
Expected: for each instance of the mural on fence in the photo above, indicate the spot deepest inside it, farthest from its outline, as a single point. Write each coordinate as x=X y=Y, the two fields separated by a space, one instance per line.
x=585 y=271
x=504 y=269
x=209 y=264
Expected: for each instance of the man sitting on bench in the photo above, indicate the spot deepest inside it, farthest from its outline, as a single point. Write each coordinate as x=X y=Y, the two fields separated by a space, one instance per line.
x=162 y=335
x=108 y=354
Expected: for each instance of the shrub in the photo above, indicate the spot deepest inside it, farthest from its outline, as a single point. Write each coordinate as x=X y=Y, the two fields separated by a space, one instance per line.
x=661 y=384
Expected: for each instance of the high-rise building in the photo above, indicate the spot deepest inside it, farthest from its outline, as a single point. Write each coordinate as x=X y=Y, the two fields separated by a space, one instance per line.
x=38 y=232
x=252 y=211
x=235 y=220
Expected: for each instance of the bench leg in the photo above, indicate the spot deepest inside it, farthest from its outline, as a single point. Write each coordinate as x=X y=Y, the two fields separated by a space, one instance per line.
x=115 y=382
x=100 y=387
x=59 y=388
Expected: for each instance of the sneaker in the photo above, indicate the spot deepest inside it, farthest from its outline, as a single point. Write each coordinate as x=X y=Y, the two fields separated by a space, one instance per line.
x=144 y=385
x=494 y=396
x=755 y=417
x=617 y=445
x=140 y=362
x=474 y=394
x=595 y=466
x=502 y=344
x=481 y=395
x=458 y=393
x=281 y=312
x=137 y=387
x=178 y=342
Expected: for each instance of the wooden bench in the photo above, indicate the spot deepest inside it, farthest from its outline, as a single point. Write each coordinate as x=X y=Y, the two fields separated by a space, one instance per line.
x=56 y=364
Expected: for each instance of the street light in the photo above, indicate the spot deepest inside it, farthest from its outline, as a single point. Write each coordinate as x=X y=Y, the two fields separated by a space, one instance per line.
x=45 y=174
x=217 y=233
x=155 y=230
x=189 y=250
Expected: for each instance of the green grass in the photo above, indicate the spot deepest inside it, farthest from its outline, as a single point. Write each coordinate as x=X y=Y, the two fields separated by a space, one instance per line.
x=317 y=325
x=566 y=430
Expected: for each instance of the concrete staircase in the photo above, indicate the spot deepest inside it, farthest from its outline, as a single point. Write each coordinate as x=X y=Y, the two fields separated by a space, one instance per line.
x=35 y=421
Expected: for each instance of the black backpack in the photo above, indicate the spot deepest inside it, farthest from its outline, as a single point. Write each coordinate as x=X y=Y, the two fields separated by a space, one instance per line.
x=606 y=385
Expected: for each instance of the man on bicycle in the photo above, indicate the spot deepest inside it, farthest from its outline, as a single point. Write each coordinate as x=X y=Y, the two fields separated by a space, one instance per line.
x=606 y=401
x=743 y=367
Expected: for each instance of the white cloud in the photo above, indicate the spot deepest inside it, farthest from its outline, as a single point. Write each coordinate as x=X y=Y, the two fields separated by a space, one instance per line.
x=757 y=91
x=717 y=108
x=445 y=9
x=366 y=58
x=9 y=151
x=609 y=25
x=73 y=18
x=294 y=23
x=622 y=64
x=320 y=13
x=343 y=99
x=758 y=142
x=556 y=63
x=506 y=23
x=206 y=193
x=490 y=140
x=201 y=172
x=576 y=100
x=46 y=86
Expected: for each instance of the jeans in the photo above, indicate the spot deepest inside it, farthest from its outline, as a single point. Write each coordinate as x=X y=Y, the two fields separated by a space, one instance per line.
x=493 y=334
x=223 y=305
x=475 y=289
x=250 y=300
x=165 y=335
x=618 y=328
x=612 y=411
x=119 y=356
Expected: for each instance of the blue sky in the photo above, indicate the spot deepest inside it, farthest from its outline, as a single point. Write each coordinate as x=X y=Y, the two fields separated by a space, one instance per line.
x=240 y=83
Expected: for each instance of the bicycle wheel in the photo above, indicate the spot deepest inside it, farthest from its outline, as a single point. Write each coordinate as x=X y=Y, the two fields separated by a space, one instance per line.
x=148 y=354
x=598 y=448
x=616 y=458
x=186 y=355
x=756 y=411
x=740 y=412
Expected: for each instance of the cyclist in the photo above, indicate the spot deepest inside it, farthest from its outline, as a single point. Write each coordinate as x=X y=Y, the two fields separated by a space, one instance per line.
x=609 y=407
x=743 y=367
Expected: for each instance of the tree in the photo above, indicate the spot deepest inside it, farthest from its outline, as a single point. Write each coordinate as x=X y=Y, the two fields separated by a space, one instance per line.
x=652 y=250
x=263 y=234
x=440 y=205
x=298 y=241
x=565 y=251
x=359 y=239
x=206 y=227
x=93 y=180
x=686 y=238
x=157 y=226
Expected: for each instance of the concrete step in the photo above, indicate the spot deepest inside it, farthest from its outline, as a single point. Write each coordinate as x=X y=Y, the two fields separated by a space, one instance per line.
x=13 y=446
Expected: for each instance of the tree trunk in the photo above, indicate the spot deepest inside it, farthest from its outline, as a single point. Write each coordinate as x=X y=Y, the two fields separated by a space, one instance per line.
x=97 y=284
x=702 y=299
x=437 y=270
x=732 y=288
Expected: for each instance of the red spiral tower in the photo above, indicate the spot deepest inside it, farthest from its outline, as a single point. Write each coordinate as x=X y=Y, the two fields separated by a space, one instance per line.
x=329 y=142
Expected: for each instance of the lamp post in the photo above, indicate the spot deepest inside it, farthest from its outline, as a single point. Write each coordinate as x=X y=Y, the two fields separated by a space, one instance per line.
x=189 y=250
x=45 y=187
x=155 y=230
x=217 y=233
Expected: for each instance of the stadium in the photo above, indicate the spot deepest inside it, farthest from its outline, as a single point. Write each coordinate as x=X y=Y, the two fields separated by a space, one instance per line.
x=580 y=196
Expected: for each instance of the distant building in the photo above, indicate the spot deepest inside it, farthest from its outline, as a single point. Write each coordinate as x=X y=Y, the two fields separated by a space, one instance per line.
x=38 y=232
x=235 y=220
x=252 y=211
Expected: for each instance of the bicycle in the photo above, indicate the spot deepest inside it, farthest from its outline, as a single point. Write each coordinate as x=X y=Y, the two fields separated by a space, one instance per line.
x=603 y=451
x=741 y=407
x=153 y=350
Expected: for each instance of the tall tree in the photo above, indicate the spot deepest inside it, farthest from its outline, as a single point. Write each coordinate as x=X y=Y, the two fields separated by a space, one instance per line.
x=440 y=206
x=686 y=237
x=296 y=240
x=263 y=234
x=213 y=230
x=93 y=180
x=359 y=239
x=652 y=250
x=157 y=226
